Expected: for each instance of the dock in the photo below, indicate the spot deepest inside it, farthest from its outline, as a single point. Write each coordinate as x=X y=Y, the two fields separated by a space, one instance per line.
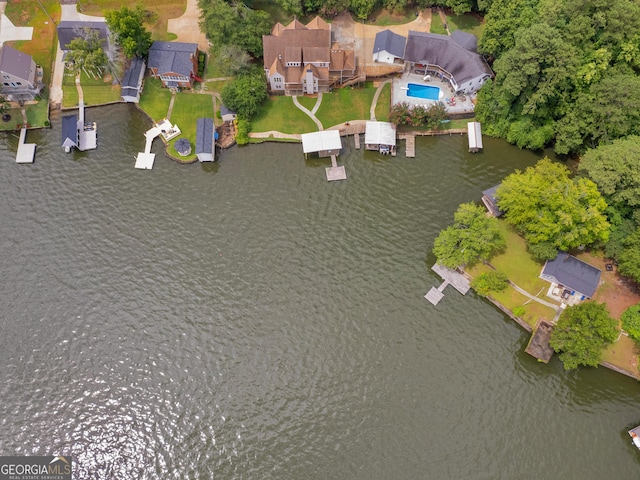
x=410 y=145
x=145 y=159
x=335 y=172
x=449 y=277
x=474 y=134
x=538 y=346
x=356 y=138
x=26 y=151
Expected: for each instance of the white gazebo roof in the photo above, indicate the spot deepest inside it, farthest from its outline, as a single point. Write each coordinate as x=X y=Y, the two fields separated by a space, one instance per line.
x=321 y=141
x=380 y=133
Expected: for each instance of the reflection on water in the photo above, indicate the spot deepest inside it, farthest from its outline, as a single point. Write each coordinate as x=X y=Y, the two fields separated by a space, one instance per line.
x=247 y=319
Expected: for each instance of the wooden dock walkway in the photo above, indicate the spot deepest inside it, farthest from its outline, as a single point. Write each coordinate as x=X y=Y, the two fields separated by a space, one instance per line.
x=356 y=138
x=26 y=151
x=449 y=277
x=335 y=172
x=410 y=145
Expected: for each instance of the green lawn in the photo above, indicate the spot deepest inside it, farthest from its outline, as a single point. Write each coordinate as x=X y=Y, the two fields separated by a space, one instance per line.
x=280 y=114
x=436 y=24
x=384 y=103
x=307 y=102
x=95 y=90
x=467 y=22
x=459 y=123
x=38 y=114
x=154 y=99
x=346 y=104
x=162 y=11
x=187 y=108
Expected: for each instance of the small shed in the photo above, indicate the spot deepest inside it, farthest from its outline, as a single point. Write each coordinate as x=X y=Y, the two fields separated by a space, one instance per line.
x=325 y=143
x=572 y=280
x=474 y=133
x=70 y=132
x=380 y=136
x=491 y=201
x=205 y=140
x=132 y=81
x=226 y=114
x=388 y=47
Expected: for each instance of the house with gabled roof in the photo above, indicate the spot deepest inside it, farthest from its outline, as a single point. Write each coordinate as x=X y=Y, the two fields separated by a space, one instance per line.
x=131 y=85
x=300 y=59
x=21 y=77
x=174 y=63
x=572 y=280
x=388 y=47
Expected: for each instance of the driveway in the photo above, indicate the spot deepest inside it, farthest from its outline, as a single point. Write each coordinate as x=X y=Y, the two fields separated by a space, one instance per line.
x=187 y=27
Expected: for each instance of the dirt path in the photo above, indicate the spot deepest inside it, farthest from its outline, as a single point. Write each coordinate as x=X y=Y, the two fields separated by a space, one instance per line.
x=187 y=27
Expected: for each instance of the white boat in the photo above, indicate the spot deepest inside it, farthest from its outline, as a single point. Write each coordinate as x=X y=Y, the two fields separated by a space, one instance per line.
x=635 y=436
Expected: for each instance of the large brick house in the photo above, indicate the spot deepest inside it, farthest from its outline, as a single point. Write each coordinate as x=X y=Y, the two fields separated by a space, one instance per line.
x=300 y=59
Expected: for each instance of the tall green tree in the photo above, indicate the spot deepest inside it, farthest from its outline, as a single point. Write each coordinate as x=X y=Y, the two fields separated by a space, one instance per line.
x=629 y=258
x=581 y=334
x=473 y=237
x=127 y=25
x=547 y=207
x=245 y=93
x=86 y=52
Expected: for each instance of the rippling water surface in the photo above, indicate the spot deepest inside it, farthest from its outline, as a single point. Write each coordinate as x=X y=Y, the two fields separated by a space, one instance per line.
x=250 y=320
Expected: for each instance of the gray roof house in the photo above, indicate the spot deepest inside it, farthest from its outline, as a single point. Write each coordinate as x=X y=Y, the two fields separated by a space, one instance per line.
x=68 y=30
x=388 y=47
x=175 y=63
x=463 y=68
x=571 y=279
x=226 y=114
x=466 y=40
x=205 y=140
x=132 y=81
x=21 y=77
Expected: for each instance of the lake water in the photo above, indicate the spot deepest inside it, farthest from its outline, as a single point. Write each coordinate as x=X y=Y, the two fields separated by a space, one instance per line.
x=249 y=320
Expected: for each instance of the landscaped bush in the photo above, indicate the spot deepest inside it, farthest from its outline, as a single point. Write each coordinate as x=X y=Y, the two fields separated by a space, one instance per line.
x=488 y=282
x=242 y=136
x=631 y=322
x=404 y=114
x=518 y=311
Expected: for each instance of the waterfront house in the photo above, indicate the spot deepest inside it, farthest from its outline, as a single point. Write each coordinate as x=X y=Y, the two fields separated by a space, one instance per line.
x=491 y=201
x=174 y=63
x=388 y=47
x=380 y=136
x=132 y=81
x=572 y=280
x=325 y=143
x=300 y=59
x=21 y=77
x=205 y=140
x=451 y=58
x=70 y=30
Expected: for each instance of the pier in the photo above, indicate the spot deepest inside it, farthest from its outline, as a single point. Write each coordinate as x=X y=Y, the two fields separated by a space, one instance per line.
x=449 y=277
x=145 y=159
x=335 y=172
x=356 y=138
x=26 y=151
x=410 y=145
x=538 y=346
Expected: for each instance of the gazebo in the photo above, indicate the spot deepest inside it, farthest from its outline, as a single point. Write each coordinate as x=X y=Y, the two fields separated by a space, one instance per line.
x=183 y=146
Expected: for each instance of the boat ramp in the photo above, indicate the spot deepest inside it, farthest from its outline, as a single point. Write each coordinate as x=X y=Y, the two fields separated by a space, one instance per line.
x=450 y=277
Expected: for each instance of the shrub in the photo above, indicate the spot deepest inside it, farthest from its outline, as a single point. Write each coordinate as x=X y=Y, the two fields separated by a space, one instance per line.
x=242 y=136
x=488 y=282
x=631 y=321
x=518 y=311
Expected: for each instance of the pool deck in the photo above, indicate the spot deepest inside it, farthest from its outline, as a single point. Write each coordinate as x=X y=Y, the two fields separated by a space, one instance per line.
x=399 y=93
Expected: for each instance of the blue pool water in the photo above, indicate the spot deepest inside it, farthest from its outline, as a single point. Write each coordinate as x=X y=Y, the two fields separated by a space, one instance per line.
x=423 y=91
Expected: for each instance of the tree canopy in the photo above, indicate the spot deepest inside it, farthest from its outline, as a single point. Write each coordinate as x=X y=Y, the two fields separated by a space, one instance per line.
x=473 y=237
x=86 y=53
x=631 y=321
x=245 y=93
x=581 y=334
x=547 y=207
x=127 y=25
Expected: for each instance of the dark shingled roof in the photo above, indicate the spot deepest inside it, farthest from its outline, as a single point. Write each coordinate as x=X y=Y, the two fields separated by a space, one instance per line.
x=490 y=195
x=465 y=39
x=172 y=57
x=15 y=62
x=224 y=110
x=132 y=75
x=390 y=42
x=68 y=30
x=70 y=131
x=204 y=135
x=574 y=274
x=441 y=50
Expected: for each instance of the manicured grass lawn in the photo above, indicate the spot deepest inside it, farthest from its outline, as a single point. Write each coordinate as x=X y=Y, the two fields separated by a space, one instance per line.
x=163 y=10
x=14 y=123
x=460 y=123
x=436 y=24
x=384 y=103
x=467 y=22
x=307 y=102
x=280 y=114
x=154 y=99
x=37 y=114
x=217 y=86
x=187 y=108
x=345 y=104
x=95 y=90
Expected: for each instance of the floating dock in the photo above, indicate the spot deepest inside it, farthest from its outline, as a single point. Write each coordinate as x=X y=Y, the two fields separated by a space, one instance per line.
x=335 y=172
x=449 y=277
x=26 y=151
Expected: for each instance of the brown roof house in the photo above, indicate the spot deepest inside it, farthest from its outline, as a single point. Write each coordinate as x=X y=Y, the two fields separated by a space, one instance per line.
x=21 y=77
x=299 y=59
x=175 y=63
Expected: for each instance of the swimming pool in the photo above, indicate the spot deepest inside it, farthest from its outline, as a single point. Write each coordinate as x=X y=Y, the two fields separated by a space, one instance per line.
x=423 y=91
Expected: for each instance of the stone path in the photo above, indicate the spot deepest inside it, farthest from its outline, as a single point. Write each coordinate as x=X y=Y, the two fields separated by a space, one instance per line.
x=555 y=306
x=374 y=102
x=311 y=115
